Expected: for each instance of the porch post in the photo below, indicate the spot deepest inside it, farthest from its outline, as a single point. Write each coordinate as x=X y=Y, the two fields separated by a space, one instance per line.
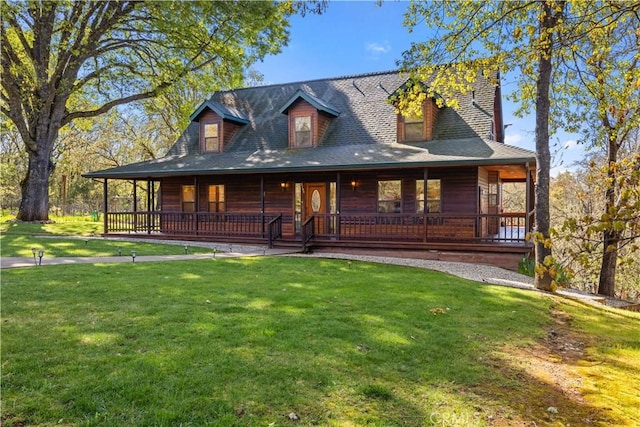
x=197 y=204
x=262 y=205
x=149 y=206
x=105 y=200
x=425 y=178
x=135 y=206
x=338 y=197
x=527 y=218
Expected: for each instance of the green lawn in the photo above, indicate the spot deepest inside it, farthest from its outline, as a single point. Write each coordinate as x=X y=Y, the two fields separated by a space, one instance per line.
x=73 y=238
x=244 y=342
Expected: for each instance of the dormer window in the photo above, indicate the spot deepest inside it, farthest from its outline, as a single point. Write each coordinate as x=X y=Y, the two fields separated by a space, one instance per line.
x=302 y=133
x=418 y=126
x=309 y=118
x=414 y=127
x=211 y=139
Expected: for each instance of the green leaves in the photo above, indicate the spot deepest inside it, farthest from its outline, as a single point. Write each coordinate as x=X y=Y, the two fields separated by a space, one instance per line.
x=112 y=53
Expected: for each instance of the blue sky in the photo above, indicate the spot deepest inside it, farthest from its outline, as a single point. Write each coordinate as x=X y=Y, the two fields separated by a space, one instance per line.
x=355 y=37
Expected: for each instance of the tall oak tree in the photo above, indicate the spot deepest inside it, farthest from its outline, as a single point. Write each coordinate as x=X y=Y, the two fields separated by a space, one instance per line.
x=68 y=60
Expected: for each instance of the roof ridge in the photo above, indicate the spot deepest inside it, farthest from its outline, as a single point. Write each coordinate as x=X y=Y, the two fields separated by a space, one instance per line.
x=301 y=82
x=510 y=146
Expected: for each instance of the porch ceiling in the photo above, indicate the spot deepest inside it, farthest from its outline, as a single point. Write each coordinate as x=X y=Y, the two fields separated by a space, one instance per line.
x=510 y=172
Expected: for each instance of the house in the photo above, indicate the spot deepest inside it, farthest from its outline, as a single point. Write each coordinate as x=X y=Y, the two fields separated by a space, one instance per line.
x=329 y=164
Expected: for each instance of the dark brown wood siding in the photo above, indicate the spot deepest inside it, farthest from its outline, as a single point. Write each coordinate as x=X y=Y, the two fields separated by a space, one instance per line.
x=242 y=193
x=171 y=193
x=323 y=124
x=431 y=111
x=483 y=188
x=459 y=189
x=228 y=132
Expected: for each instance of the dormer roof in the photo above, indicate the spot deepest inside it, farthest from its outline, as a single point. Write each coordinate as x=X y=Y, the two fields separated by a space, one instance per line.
x=393 y=96
x=225 y=112
x=318 y=103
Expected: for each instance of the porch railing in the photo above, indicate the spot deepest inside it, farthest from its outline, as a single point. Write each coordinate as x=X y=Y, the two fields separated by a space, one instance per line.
x=190 y=223
x=484 y=228
x=308 y=231
x=274 y=230
x=507 y=228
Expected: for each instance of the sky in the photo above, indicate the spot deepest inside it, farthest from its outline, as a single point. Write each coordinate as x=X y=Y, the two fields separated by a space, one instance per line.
x=357 y=37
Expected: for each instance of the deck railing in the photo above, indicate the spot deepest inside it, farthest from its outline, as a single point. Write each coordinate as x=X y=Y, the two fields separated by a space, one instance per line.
x=510 y=227
x=274 y=230
x=190 y=223
x=308 y=231
x=483 y=228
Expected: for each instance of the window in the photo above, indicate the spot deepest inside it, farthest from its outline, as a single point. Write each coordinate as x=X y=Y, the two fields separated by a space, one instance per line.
x=216 y=198
x=302 y=131
x=414 y=127
x=494 y=189
x=433 y=196
x=390 y=196
x=420 y=196
x=188 y=198
x=298 y=205
x=211 y=138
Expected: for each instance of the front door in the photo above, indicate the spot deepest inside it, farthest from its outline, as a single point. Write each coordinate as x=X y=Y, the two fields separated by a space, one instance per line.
x=315 y=203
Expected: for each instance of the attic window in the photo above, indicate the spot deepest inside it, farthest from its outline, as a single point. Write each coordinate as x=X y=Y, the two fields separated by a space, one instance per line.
x=302 y=133
x=414 y=127
x=211 y=141
x=419 y=126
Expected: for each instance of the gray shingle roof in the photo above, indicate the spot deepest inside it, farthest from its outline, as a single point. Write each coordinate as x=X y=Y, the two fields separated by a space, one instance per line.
x=456 y=152
x=363 y=135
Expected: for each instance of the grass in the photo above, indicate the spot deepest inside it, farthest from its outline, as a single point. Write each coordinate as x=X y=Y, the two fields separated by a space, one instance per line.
x=243 y=342
x=70 y=237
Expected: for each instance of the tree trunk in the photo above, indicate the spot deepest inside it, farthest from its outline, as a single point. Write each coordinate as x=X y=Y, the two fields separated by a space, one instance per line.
x=34 y=205
x=543 y=155
x=607 y=283
x=610 y=237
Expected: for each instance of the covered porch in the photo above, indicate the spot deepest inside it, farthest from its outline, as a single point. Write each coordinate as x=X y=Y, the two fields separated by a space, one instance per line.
x=341 y=210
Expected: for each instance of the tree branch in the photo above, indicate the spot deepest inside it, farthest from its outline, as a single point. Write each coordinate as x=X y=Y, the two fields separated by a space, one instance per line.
x=114 y=103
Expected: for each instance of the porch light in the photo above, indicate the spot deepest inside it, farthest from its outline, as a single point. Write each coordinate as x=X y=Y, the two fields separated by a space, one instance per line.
x=34 y=250
x=283 y=186
x=40 y=255
x=354 y=184
x=133 y=256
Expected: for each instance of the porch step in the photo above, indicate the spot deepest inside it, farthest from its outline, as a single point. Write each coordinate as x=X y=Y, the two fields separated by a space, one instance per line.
x=507 y=260
x=282 y=243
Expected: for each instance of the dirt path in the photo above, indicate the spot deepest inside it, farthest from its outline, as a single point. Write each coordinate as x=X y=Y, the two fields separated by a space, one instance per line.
x=546 y=389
